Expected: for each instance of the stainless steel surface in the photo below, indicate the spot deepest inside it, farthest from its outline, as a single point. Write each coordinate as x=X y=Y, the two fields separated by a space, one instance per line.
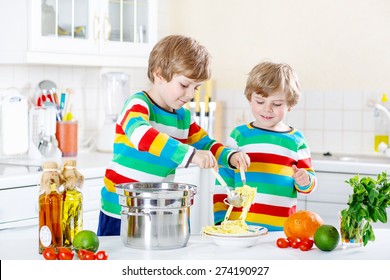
x=47 y=85
x=155 y=216
x=375 y=159
x=233 y=197
x=243 y=177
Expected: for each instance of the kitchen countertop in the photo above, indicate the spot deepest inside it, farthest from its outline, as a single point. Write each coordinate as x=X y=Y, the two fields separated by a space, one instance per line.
x=23 y=172
x=371 y=164
x=23 y=245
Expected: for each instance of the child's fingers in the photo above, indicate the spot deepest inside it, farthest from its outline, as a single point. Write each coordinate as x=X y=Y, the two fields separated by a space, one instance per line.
x=295 y=168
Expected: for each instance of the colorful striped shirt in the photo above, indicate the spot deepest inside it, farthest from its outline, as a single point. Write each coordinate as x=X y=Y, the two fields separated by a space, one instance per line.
x=150 y=143
x=272 y=156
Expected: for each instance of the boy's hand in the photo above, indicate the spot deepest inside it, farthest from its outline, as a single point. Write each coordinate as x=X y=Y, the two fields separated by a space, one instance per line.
x=205 y=159
x=300 y=176
x=240 y=160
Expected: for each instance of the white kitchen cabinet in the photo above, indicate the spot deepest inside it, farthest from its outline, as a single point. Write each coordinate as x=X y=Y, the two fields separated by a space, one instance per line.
x=331 y=196
x=79 y=32
x=201 y=212
x=19 y=205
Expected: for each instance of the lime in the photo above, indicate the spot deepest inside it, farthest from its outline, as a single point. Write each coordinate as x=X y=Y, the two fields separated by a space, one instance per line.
x=86 y=239
x=326 y=238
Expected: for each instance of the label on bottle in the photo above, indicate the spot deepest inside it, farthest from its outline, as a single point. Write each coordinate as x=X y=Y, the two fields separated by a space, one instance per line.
x=45 y=236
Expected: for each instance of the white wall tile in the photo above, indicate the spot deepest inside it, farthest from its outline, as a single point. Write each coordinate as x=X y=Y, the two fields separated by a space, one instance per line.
x=20 y=76
x=314 y=119
x=65 y=77
x=367 y=142
x=333 y=141
x=333 y=100
x=368 y=121
x=301 y=105
x=314 y=100
x=333 y=120
x=353 y=100
x=336 y=121
x=352 y=120
x=315 y=140
x=6 y=77
x=50 y=72
x=352 y=141
x=296 y=118
x=36 y=75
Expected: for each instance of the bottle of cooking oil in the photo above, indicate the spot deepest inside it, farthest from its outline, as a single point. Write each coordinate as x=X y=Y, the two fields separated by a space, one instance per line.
x=72 y=197
x=50 y=207
x=381 y=125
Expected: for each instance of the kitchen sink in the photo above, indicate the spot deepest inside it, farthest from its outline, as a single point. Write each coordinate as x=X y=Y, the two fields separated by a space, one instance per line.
x=16 y=166
x=375 y=159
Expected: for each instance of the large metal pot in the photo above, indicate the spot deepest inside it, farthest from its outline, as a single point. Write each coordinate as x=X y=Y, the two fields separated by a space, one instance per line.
x=155 y=215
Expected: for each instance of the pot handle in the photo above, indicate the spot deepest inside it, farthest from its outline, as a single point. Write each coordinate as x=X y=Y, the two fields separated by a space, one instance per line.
x=127 y=213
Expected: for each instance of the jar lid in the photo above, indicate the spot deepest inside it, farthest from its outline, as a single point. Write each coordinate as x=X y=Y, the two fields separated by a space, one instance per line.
x=70 y=164
x=49 y=165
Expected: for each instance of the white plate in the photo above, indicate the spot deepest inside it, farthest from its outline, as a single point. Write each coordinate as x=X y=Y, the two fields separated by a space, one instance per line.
x=237 y=240
x=252 y=231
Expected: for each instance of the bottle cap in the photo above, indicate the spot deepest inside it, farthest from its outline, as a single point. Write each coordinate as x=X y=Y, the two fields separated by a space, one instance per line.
x=70 y=164
x=384 y=98
x=49 y=165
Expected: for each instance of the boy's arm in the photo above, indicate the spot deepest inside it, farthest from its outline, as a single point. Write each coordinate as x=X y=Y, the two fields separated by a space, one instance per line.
x=198 y=138
x=135 y=130
x=304 y=161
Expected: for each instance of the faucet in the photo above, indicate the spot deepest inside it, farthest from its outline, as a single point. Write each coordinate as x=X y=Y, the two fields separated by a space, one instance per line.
x=379 y=107
x=383 y=147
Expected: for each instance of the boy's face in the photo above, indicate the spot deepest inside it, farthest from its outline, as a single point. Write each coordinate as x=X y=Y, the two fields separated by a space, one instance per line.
x=270 y=111
x=177 y=92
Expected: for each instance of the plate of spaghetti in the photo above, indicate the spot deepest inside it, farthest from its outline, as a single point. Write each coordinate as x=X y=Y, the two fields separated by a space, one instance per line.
x=236 y=233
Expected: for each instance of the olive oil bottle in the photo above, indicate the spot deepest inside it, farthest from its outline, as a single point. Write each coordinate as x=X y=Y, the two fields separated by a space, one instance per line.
x=50 y=208
x=72 y=198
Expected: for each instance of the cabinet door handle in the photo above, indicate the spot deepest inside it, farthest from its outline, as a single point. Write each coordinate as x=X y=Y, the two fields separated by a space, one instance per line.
x=107 y=28
x=96 y=28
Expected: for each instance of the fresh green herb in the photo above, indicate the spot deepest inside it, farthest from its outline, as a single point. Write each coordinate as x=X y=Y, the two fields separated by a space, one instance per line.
x=367 y=204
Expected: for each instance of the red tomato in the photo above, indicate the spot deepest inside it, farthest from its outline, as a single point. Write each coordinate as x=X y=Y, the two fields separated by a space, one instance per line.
x=86 y=255
x=304 y=247
x=282 y=243
x=65 y=253
x=295 y=242
x=308 y=242
x=50 y=253
x=290 y=239
x=101 y=255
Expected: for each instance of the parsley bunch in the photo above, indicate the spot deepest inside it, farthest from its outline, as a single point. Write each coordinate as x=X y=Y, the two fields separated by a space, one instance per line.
x=367 y=204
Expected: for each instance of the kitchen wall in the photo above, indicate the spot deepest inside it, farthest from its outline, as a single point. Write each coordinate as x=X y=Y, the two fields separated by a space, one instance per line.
x=340 y=50
x=85 y=82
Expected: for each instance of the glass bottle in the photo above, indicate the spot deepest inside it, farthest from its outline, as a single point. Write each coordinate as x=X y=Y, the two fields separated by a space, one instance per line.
x=50 y=208
x=381 y=125
x=72 y=197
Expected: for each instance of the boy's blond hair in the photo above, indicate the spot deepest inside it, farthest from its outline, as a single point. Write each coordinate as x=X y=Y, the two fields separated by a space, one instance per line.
x=176 y=54
x=267 y=77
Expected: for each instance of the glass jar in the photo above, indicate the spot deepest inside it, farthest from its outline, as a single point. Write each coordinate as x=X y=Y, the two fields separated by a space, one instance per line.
x=72 y=197
x=50 y=208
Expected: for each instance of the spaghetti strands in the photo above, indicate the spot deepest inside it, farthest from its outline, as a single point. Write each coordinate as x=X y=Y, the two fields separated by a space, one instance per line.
x=235 y=226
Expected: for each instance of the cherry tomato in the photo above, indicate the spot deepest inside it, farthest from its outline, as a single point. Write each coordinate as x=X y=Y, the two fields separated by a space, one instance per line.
x=50 y=253
x=295 y=242
x=86 y=255
x=304 y=247
x=101 y=255
x=290 y=239
x=65 y=253
x=308 y=242
x=282 y=243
